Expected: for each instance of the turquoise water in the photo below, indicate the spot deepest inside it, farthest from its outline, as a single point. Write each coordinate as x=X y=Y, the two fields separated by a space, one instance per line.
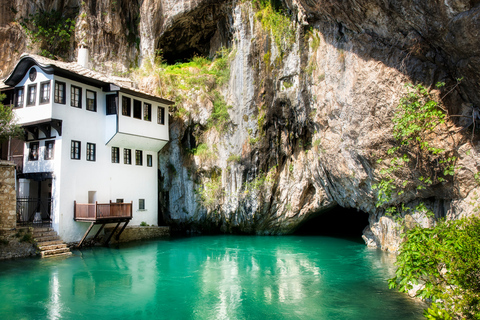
x=208 y=277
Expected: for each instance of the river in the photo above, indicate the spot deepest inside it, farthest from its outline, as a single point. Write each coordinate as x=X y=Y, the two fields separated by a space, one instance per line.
x=209 y=277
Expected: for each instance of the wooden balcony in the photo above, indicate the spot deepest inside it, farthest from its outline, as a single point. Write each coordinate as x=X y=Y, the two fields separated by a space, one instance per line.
x=102 y=212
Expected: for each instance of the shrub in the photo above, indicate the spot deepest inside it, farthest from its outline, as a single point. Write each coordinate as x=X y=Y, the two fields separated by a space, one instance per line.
x=445 y=259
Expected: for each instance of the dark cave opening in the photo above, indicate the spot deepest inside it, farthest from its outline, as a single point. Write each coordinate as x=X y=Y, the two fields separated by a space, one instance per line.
x=339 y=222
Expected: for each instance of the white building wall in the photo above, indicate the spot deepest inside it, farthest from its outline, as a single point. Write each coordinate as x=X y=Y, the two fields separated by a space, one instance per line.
x=39 y=111
x=73 y=179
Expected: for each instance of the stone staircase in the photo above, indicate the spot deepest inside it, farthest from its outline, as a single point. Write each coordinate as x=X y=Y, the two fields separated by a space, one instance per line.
x=49 y=243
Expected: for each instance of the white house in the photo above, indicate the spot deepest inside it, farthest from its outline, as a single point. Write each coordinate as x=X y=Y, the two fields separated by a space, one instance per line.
x=89 y=139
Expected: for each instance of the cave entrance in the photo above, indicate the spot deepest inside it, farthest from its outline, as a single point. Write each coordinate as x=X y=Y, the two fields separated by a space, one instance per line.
x=200 y=32
x=338 y=222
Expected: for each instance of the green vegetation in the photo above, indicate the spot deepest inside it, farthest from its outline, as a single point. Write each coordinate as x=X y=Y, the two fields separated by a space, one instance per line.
x=315 y=38
x=416 y=118
x=275 y=21
x=211 y=192
x=219 y=118
x=201 y=76
x=52 y=30
x=143 y=224
x=234 y=158
x=445 y=260
x=204 y=152
x=8 y=124
x=260 y=181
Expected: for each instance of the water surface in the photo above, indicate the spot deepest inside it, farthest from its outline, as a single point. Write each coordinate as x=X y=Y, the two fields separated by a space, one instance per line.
x=208 y=277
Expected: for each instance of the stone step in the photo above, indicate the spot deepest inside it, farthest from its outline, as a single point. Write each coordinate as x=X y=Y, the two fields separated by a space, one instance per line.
x=37 y=234
x=63 y=254
x=42 y=229
x=55 y=252
x=52 y=247
x=47 y=238
x=48 y=243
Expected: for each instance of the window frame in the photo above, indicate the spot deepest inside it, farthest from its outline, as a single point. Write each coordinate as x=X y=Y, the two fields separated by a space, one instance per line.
x=149 y=160
x=115 y=155
x=42 y=98
x=161 y=115
x=147 y=111
x=46 y=155
x=88 y=99
x=56 y=96
x=137 y=109
x=73 y=148
x=126 y=109
x=72 y=96
x=22 y=100
x=31 y=155
x=111 y=104
x=127 y=156
x=138 y=157
x=91 y=151
x=31 y=103
x=141 y=204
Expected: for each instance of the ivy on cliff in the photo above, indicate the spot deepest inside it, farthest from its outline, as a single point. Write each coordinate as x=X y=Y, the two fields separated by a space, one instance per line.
x=52 y=30
x=417 y=117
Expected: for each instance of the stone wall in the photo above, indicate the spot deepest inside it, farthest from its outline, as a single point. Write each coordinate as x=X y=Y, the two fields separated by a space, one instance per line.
x=17 y=243
x=8 y=198
x=140 y=233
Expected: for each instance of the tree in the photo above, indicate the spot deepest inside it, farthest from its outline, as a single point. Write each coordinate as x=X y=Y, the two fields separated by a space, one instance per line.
x=446 y=261
x=8 y=124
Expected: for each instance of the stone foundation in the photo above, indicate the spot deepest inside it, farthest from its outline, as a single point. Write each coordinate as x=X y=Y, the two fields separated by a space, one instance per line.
x=17 y=243
x=8 y=196
x=139 y=233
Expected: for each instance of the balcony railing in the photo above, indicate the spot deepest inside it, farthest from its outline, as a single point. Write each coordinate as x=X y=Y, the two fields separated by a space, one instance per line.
x=102 y=211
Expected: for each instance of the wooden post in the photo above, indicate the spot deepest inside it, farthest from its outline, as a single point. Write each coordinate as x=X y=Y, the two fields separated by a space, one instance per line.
x=85 y=235
x=74 y=209
x=96 y=209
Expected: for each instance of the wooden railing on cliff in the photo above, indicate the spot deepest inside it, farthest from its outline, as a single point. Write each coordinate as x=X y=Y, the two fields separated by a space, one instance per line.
x=102 y=211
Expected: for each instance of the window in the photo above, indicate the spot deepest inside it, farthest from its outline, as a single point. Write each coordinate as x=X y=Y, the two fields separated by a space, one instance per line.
x=126 y=106
x=31 y=94
x=111 y=104
x=49 y=148
x=119 y=201
x=33 y=152
x=127 y=156
x=19 y=94
x=59 y=92
x=45 y=92
x=147 y=112
x=90 y=151
x=33 y=74
x=149 y=160
x=75 y=150
x=139 y=157
x=137 y=109
x=115 y=155
x=76 y=97
x=141 y=204
x=91 y=100
x=161 y=115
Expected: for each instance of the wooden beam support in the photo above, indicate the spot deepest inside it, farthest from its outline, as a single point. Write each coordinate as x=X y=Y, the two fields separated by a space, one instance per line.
x=111 y=234
x=85 y=235
x=98 y=232
x=121 y=230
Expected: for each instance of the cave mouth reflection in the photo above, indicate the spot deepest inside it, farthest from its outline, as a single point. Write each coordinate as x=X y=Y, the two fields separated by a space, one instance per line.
x=341 y=222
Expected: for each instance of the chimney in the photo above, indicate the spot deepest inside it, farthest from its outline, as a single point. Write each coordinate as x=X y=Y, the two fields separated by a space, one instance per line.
x=82 y=58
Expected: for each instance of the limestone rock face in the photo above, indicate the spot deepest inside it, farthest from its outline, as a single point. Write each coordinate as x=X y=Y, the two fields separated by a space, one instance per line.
x=309 y=117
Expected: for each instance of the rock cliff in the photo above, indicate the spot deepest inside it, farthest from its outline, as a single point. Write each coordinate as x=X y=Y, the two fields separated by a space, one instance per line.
x=312 y=103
